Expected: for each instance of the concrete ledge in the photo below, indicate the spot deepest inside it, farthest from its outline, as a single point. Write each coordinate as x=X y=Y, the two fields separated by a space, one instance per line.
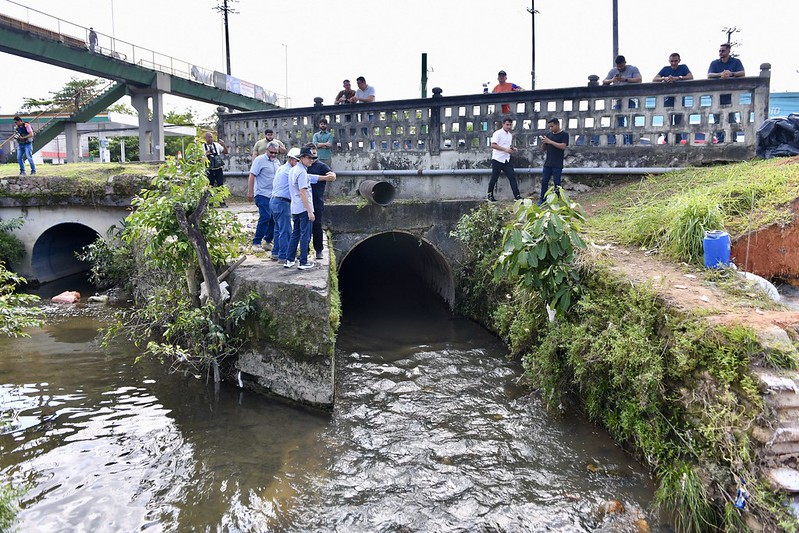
x=290 y=351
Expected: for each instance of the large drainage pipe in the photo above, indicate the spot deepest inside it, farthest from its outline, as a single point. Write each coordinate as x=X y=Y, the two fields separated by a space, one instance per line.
x=377 y=192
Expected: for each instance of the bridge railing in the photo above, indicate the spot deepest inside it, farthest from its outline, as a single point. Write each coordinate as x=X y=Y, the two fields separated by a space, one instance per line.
x=704 y=119
x=25 y=18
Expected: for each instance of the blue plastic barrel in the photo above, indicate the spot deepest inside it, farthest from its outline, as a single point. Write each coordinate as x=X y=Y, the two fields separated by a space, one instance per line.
x=717 y=249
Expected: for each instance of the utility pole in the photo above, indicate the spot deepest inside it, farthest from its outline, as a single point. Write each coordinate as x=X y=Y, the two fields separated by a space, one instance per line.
x=615 y=30
x=533 y=12
x=424 y=74
x=225 y=10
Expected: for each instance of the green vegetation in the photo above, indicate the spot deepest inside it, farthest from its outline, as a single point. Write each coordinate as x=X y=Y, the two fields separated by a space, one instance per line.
x=17 y=312
x=11 y=248
x=671 y=212
x=675 y=390
x=540 y=247
x=9 y=496
x=174 y=233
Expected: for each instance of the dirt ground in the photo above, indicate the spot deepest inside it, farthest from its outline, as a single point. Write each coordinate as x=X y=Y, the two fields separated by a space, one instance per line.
x=685 y=287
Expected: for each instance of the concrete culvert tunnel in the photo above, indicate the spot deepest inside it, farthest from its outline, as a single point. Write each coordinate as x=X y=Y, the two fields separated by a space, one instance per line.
x=395 y=272
x=53 y=254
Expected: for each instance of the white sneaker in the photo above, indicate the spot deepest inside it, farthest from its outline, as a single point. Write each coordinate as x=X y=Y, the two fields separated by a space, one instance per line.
x=289 y=264
x=267 y=246
x=256 y=249
x=307 y=266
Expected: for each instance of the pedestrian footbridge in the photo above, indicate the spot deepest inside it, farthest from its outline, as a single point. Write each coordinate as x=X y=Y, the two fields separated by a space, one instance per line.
x=144 y=75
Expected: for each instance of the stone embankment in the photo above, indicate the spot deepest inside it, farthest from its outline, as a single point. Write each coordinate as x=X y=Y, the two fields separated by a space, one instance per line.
x=687 y=289
x=291 y=338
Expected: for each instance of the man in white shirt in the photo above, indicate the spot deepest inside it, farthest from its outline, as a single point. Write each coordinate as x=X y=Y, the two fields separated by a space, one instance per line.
x=302 y=213
x=501 y=150
x=364 y=94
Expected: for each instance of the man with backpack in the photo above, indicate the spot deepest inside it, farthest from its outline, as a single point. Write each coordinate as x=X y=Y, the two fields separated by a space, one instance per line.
x=23 y=133
x=214 y=152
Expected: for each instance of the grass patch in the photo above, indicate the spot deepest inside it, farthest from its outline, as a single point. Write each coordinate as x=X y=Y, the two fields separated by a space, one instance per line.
x=91 y=171
x=670 y=212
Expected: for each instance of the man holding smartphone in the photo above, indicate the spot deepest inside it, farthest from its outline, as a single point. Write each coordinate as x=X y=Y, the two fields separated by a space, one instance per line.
x=554 y=143
x=501 y=150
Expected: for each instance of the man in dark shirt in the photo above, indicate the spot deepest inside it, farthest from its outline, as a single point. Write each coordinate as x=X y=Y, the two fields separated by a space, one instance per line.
x=726 y=66
x=318 y=168
x=554 y=143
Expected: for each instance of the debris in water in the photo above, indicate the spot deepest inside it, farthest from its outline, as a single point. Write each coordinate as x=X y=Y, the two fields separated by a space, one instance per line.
x=67 y=297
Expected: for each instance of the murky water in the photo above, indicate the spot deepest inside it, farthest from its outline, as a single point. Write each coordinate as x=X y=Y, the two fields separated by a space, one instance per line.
x=430 y=433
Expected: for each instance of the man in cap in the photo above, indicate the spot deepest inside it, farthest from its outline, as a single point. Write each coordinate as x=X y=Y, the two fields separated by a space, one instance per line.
x=302 y=214
x=504 y=86
x=319 y=173
x=280 y=206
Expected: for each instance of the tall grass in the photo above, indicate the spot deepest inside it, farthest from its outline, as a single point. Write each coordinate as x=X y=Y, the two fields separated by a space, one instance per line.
x=671 y=212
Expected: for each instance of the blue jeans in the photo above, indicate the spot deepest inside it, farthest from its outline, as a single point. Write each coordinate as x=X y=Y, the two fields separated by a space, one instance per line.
x=25 y=150
x=549 y=172
x=281 y=214
x=300 y=235
x=265 y=229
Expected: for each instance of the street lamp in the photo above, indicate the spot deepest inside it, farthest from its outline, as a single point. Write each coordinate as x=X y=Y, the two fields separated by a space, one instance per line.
x=286 y=51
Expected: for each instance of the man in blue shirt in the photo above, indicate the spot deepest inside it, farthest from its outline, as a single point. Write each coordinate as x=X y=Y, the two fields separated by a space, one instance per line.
x=554 y=144
x=259 y=187
x=302 y=214
x=726 y=66
x=674 y=71
x=280 y=206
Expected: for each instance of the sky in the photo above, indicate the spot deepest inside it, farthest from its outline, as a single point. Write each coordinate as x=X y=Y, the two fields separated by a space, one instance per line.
x=306 y=48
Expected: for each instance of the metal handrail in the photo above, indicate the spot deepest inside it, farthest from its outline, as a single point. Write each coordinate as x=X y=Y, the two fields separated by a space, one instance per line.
x=119 y=49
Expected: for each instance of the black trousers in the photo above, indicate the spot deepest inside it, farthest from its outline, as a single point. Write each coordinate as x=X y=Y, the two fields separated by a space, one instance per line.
x=506 y=167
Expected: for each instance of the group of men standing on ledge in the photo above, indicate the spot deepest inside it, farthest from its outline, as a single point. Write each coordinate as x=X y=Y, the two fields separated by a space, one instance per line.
x=290 y=197
x=725 y=66
x=555 y=141
x=364 y=94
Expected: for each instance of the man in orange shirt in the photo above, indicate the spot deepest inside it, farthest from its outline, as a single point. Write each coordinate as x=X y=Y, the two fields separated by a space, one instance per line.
x=504 y=86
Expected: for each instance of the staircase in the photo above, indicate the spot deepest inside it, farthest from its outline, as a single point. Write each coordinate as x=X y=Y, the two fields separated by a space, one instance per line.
x=49 y=130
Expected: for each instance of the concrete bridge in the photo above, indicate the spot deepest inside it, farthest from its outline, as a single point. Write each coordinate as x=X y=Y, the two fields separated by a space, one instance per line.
x=439 y=147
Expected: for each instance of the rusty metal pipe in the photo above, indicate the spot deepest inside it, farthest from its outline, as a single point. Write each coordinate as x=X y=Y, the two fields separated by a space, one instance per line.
x=377 y=192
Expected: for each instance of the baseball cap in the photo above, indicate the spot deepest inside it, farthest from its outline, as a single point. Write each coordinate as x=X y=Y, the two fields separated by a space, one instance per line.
x=294 y=153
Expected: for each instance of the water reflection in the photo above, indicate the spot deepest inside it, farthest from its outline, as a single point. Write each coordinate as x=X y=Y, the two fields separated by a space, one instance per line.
x=430 y=432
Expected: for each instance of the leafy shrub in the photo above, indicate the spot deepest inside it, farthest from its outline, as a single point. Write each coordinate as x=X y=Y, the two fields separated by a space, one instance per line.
x=11 y=248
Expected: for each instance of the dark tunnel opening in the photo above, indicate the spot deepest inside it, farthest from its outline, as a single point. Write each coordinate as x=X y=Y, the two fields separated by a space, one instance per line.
x=53 y=254
x=395 y=274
